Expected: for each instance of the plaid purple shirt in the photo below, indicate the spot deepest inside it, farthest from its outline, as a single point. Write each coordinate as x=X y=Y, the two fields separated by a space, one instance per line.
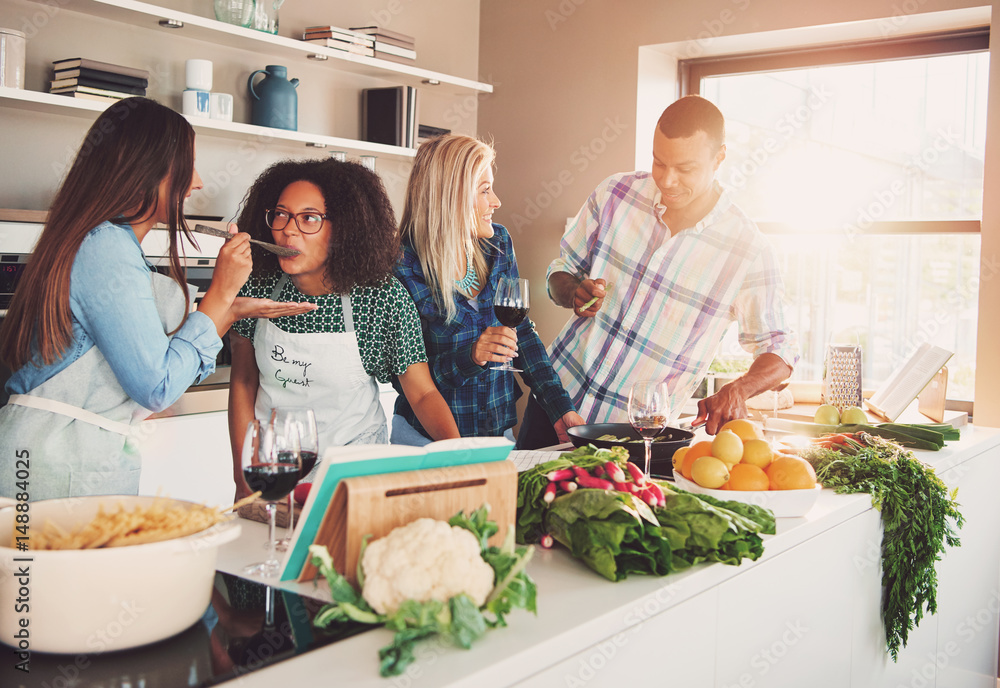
x=672 y=301
x=482 y=400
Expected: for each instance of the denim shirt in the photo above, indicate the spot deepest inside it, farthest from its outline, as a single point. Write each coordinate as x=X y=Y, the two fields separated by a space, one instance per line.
x=482 y=400
x=112 y=307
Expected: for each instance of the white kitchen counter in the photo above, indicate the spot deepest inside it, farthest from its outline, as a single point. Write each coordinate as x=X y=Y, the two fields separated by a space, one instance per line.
x=806 y=613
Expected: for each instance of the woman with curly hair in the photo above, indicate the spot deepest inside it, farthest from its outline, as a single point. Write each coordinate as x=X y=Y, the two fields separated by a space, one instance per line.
x=453 y=258
x=365 y=328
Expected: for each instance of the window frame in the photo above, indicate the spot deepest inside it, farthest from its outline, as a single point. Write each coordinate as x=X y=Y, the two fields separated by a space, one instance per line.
x=692 y=71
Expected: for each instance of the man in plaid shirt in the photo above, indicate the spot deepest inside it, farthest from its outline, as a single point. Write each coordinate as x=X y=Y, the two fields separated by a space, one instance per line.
x=671 y=262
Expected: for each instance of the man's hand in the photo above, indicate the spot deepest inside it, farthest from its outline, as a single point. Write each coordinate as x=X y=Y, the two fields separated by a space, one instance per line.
x=246 y=307
x=589 y=297
x=725 y=405
x=497 y=344
x=767 y=371
x=569 y=420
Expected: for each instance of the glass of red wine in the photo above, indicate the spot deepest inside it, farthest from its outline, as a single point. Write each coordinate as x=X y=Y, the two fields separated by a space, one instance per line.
x=648 y=411
x=510 y=304
x=271 y=464
x=305 y=421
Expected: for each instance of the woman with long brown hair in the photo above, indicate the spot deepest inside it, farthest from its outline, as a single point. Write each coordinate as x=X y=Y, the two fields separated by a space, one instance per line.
x=365 y=328
x=96 y=338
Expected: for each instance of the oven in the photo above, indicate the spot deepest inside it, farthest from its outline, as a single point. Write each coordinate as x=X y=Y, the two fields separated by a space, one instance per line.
x=17 y=241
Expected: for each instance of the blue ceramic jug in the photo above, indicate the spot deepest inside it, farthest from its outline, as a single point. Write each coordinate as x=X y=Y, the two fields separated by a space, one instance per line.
x=273 y=101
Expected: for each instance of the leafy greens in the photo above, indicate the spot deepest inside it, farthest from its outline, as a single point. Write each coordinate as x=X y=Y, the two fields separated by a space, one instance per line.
x=458 y=619
x=616 y=534
x=919 y=518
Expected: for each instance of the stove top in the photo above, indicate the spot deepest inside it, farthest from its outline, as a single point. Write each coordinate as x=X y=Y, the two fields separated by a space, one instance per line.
x=247 y=626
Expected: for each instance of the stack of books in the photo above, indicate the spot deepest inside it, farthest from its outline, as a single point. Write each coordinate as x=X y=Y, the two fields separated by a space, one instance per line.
x=389 y=115
x=79 y=77
x=340 y=39
x=390 y=45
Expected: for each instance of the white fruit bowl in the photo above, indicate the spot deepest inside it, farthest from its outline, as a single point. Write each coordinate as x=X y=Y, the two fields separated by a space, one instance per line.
x=100 y=600
x=783 y=503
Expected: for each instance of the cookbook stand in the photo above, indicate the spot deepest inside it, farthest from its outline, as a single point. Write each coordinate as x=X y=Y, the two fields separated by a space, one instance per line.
x=373 y=505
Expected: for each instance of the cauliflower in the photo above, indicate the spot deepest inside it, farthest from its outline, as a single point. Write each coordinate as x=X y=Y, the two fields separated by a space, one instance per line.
x=424 y=560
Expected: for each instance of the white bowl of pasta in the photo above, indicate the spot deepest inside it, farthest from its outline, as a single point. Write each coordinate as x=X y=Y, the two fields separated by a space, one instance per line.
x=123 y=571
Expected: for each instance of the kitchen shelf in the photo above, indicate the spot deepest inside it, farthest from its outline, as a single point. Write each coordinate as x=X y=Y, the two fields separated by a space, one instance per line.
x=36 y=101
x=143 y=14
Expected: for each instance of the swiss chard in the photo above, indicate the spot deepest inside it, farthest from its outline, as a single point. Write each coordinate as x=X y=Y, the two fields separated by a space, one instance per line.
x=616 y=533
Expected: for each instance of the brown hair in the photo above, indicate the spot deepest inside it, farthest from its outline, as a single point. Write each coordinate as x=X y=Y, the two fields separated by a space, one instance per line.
x=364 y=244
x=133 y=146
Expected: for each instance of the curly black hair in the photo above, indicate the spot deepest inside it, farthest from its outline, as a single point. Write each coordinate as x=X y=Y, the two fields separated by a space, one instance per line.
x=364 y=243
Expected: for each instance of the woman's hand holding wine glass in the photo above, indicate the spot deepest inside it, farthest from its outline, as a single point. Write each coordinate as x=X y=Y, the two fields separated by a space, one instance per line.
x=510 y=305
x=648 y=412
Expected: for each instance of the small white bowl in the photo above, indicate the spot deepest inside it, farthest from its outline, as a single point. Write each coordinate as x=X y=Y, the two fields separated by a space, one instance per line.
x=783 y=503
x=101 y=600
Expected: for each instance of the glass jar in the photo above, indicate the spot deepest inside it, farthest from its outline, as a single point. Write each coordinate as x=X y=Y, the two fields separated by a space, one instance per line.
x=237 y=12
x=265 y=16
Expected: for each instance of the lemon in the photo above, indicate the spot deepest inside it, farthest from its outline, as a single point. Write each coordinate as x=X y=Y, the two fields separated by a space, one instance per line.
x=744 y=428
x=728 y=447
x=757 y=453
x=709 y=472
x=678 y=458
x=852 y=415
x=827 y=415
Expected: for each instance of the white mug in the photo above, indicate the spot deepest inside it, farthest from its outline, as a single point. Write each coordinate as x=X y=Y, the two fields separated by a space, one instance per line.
x=196 y=103
x=198 y=75
x=221 y=106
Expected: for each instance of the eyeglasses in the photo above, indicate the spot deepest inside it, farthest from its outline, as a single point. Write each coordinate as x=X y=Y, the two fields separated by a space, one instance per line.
x=308 y=223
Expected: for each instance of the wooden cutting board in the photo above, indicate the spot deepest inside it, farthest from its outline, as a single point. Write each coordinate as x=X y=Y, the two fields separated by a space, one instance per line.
x=375 y=504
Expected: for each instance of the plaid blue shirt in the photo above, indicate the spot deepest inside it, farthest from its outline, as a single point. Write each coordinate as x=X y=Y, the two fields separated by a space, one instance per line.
x=674 y=296
x=482 y=400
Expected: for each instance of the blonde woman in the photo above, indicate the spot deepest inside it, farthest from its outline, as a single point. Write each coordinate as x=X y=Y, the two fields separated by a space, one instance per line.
x=453 y=257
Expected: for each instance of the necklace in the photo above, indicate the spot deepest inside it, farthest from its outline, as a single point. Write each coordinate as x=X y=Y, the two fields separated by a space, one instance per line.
x=469 y=283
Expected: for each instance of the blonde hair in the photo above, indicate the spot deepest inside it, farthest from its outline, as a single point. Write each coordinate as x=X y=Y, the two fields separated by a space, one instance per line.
x=439 y=214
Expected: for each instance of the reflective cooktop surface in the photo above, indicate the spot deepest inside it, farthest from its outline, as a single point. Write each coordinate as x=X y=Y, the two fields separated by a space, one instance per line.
x=247 y=626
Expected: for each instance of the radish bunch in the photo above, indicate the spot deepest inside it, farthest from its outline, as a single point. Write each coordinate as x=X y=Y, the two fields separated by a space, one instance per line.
x=606 y=476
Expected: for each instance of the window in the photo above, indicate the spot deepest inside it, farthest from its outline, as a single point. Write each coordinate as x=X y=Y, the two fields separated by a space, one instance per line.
x=864 y=165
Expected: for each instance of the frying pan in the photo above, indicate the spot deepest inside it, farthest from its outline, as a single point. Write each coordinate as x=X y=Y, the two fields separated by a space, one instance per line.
x=663 y=449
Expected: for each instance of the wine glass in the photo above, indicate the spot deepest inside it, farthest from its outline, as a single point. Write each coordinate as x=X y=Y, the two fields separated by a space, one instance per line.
x=648 y=411
x=305 y=420
x=271 y=464
x=510 y=304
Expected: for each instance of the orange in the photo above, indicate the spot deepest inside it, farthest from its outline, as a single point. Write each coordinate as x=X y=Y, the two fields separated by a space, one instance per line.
x=744 y=476
x=791 y=473
x=695 y=451
x=745 y=429
x=757 y=453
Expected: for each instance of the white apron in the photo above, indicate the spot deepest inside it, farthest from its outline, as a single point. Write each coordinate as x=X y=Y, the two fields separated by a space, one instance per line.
x=322 y=371
x=77 y=429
